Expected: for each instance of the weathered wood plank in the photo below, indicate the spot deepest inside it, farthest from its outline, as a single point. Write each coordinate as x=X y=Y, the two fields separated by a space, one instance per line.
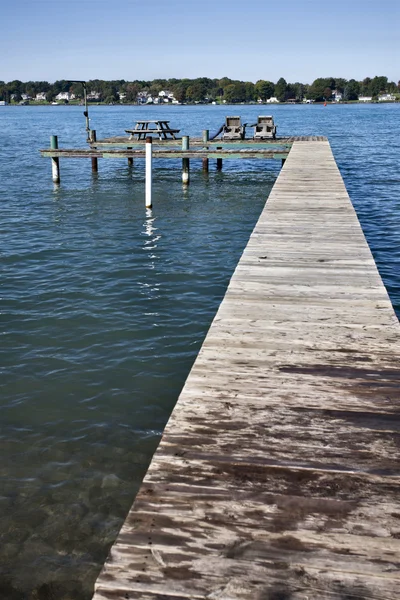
x=170 y=153
x=277 y=475
x=124 y=140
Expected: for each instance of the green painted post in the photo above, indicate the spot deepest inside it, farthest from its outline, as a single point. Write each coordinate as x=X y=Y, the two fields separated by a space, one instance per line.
x=185 y=161
x=206 y=137
x=55 y=164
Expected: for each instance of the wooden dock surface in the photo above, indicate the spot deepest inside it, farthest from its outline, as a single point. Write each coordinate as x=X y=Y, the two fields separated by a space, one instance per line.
x=277 y=477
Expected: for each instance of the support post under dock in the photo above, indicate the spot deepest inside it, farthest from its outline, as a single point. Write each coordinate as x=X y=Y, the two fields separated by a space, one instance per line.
x=219 y=162
x=149 y=173
x=130 y=159
x=206 y=137
x=95 y=165
x=277 y=474
x=55 y=162
x=185 y=161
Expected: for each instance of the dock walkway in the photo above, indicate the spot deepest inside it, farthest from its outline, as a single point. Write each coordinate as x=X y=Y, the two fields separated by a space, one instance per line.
x=277 y=477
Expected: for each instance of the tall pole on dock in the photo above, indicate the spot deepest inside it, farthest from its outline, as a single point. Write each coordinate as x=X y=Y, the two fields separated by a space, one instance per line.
x=86 y=111
x=149 y=174
x=185 y=161
x=55 y=162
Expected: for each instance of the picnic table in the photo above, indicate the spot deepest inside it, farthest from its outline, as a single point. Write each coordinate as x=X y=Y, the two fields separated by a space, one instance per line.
x=146 y=128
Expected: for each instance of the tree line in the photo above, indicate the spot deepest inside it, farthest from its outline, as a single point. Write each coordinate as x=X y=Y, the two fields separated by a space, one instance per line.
x=204 y=89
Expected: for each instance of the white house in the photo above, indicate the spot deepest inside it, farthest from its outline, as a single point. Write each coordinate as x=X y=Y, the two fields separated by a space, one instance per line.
x=272 y=100
x=25 y=97
x=386 y=98
x=93 y=95
x=166 y=96
x=40 y=97
x=65 y=96
x=364 y=98
x=337 y=96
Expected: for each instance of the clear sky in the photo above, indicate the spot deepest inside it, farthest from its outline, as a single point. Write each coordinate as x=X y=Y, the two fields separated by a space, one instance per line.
x=242 y=39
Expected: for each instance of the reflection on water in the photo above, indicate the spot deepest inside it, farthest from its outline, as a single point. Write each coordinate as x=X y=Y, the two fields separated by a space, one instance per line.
x=104 y=307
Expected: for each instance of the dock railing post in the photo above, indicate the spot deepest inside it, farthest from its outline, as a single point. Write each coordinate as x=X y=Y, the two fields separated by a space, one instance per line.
x=55 y=162
x=206 y=137
x=185 y=161
x=92 y=137
x=149 y=174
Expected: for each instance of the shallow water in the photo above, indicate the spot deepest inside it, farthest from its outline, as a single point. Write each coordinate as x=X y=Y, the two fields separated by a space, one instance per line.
x=104 y=307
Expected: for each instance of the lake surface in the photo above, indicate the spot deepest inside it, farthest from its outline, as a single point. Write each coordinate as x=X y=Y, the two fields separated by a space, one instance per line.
x=104 y=306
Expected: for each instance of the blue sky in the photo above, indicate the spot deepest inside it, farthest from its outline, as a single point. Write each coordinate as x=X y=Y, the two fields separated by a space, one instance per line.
x=248 y=40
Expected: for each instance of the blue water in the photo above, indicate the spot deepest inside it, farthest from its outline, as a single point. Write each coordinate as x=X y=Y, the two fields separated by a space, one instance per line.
x=104 y=306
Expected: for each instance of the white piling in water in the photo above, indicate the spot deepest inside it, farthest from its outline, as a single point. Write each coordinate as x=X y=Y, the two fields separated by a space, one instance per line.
x=55 y=162
x=185 y=161
x=149 y=169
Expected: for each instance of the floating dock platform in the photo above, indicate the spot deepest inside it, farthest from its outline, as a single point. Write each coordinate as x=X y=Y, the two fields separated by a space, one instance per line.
x=277 y=476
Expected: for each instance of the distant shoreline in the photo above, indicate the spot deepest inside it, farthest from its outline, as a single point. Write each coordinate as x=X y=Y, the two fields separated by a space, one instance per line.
x=266 y=104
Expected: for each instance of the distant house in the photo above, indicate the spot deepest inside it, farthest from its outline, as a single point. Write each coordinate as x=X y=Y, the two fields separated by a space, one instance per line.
x=365 y=98
x=66 y=96
x=40 y=97
x=121 y=95
x=144 y=98
x=26 y=97
x=166 y=96
x=3 y=103
x=93 y=95
x=337 y=96
x=386 y=98
x=272 y=100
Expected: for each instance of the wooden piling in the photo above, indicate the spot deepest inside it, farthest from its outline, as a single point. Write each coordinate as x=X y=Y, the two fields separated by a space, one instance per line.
x=149 y=169
x=185 y=161
x=55 y=164
x=95 y=165
x=219 y=160
x=130 y=159
x=206 y=137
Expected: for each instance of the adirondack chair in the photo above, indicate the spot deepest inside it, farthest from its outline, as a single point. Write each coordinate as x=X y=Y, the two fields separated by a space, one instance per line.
x=264 y=128
x=233 y=129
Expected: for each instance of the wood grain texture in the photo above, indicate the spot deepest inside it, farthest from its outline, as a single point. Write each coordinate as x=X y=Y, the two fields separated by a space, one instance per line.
x=277 y=477
x=119 y=140
x=166 y=153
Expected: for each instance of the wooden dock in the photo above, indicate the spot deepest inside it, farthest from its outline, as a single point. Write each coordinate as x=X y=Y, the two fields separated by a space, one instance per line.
x=277 y=477
x=123 y=147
